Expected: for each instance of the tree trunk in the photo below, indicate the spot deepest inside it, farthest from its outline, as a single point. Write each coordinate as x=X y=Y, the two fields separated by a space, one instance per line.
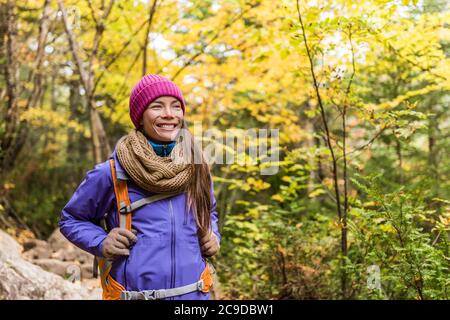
x=11 y=114
x=101 y=147
x=16 y=131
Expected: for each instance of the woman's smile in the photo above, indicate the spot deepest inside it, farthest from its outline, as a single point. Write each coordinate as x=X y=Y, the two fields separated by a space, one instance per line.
x=167 y=126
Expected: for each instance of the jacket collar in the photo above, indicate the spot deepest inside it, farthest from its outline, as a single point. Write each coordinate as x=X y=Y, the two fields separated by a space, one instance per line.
x=162 y=149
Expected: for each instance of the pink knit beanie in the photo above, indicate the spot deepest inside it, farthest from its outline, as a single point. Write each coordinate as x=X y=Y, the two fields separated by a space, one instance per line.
x=149 y=88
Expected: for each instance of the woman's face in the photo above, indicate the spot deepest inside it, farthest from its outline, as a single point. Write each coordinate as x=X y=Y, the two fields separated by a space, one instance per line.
x=163 y=118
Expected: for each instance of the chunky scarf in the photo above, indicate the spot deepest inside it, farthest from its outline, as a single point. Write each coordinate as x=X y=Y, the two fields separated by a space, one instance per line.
x=150 y=171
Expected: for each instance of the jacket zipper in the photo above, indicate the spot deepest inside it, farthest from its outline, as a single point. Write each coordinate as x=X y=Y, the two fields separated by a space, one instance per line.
x=173 y=274
x=125 y=273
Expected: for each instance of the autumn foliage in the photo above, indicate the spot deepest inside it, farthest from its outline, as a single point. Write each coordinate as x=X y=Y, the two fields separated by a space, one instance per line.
x=359 y=91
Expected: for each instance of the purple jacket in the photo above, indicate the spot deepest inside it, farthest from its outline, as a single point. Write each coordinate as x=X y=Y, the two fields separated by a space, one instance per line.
x=167 y=253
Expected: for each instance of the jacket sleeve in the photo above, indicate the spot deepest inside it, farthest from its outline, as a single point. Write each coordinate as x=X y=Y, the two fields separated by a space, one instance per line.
x=214 y=214
x=90 y=202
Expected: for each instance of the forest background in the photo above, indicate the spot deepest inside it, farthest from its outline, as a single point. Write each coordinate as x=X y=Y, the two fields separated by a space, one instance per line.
x=359 y=91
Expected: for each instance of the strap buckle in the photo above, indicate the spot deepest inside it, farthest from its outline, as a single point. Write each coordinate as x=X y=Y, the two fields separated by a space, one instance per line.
x=125 y=295
x=124 y=208
x=149 y=294
x=200 y=285
x=140 y=295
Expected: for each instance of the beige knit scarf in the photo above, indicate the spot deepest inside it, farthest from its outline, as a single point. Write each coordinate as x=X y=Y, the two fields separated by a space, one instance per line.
x=150 y=171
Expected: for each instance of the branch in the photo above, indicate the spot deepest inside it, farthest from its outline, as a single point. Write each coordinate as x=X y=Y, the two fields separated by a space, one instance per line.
x=322 y=112
x=344 y=142
x=92 y=12
x=119 y=53
x=397 y=52
x=125 y=45
x=195 y=56
x=370 y=141
x=147 y=34
x=99 y=29
x=40 y=53
x=74 y=48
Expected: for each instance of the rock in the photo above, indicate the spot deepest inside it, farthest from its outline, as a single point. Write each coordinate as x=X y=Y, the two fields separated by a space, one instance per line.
x=56 y=254
x=20 y=279
x=64 y=250
x=35 y=243
x=36 y=249
x=57 y=241
x=61 y=268
x=86 y=271
x=9 y=248
x=72 y=253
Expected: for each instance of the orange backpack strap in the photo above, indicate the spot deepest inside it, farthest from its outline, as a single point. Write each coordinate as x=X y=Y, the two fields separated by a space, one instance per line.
x=122 y=198
x=121 y=192
x=111 y=288
x=207 y=277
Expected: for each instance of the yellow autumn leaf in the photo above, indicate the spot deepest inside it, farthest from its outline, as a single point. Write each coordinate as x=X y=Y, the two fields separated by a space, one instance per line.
x=387 y=228
x=277 y=197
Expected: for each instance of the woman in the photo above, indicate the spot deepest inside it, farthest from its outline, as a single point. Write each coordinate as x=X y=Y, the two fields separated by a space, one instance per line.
x=162 y=254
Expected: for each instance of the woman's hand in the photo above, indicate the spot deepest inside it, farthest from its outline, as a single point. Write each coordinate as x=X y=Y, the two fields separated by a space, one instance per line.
x=209 y=245
x=117 y=243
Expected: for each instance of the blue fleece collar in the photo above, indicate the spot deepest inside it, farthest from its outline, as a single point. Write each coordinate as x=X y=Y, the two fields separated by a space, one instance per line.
x=162 y=150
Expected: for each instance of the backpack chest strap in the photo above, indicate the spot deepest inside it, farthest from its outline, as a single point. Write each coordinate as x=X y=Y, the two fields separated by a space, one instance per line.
x=124 y=208
x=204 y=284
x=161 y=293
x=124 y=205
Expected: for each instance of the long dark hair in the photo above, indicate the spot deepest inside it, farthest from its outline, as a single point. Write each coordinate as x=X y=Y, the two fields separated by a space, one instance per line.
x=199 y=190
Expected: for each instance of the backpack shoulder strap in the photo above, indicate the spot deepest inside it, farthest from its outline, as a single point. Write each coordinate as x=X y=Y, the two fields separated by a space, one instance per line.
x=122 y=198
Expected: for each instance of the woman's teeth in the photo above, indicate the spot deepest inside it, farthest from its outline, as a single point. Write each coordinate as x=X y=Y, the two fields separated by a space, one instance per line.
x=168 y=126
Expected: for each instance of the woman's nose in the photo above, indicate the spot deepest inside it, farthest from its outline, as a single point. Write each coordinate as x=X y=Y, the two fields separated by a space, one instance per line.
x=167 y=112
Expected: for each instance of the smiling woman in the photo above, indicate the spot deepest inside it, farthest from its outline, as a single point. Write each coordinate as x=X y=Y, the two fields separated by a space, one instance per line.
x=163 y=119
x=161 y=221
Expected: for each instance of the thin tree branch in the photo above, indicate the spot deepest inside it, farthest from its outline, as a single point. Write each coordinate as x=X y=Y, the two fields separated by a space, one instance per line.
x=322 y=111
x=202 y=50
x=147 y=34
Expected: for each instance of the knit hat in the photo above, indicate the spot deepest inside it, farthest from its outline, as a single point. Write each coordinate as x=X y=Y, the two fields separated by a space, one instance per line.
x=149 y=88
